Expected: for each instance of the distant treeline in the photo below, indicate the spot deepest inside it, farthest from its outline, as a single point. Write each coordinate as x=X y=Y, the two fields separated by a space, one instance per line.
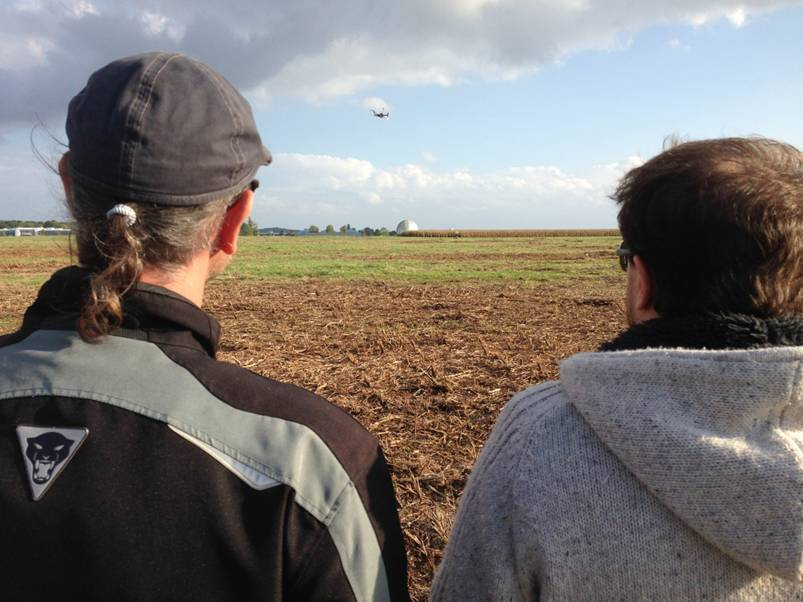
x=508 y=233
x=16 y=223
x=350 y=230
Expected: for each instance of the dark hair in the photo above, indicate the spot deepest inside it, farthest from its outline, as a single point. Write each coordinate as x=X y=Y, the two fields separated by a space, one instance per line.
x=719 y=223
x=116 y=253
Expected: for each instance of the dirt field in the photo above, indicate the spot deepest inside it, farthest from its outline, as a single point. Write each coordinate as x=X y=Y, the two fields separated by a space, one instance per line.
x=426 y=367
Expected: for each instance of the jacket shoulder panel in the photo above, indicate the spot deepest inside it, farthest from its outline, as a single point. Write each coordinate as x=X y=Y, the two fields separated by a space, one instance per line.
x=251 y=392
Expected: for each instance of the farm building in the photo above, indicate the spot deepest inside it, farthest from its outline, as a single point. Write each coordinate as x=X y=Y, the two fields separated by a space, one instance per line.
x=405 y=226
x=34 y=231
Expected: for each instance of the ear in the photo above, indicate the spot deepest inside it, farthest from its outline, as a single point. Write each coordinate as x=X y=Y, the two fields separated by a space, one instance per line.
x=236 y=215
x=642 y=290
x=64 y=172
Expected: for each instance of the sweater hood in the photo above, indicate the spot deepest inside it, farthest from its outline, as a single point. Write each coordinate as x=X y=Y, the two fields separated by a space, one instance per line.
x=716 y=436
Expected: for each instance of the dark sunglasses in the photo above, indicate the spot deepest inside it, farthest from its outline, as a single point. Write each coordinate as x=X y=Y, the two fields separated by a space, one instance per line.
x=624 y=254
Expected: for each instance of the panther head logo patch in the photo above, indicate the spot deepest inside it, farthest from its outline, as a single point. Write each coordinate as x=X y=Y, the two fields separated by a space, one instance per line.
x=46 y=452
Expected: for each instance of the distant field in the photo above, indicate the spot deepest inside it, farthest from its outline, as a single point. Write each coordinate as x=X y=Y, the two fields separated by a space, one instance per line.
x=421 y=339
x=391 y=259
x=519 y=233
x=426 y=261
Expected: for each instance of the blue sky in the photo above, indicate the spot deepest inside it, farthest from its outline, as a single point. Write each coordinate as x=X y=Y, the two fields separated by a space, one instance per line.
x=508 y=114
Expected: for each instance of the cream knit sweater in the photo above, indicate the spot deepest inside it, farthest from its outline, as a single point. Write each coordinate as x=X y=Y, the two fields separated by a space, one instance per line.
x=641 y=475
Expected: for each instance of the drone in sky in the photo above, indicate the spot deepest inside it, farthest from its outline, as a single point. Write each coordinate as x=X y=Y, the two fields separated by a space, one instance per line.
x=383 y=114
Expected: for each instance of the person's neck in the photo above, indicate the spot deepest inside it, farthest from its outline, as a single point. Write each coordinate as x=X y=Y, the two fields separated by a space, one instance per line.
x=188 y=280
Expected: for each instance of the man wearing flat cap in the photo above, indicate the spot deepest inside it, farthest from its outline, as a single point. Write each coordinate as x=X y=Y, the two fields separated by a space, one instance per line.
x=135 y=465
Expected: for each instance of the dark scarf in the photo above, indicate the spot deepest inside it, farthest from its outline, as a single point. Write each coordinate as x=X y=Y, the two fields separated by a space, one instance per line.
x=710 y=331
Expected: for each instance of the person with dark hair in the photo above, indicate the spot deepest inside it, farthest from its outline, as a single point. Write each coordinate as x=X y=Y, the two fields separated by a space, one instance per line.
x=668 y=464
x=135 y=465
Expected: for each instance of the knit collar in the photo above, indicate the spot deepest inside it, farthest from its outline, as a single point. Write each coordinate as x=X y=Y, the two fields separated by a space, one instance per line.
x=710 y=331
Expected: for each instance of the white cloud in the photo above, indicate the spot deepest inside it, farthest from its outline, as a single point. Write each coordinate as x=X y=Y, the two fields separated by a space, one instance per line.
x=375 y=103
x=360 y=193
x=80 y=8
x=737 y=17
x=18 y=53
x=314 y=49
x=429 y=157
x=156 y=24
x=372 y=198
x=70 y=8
x=735 y=12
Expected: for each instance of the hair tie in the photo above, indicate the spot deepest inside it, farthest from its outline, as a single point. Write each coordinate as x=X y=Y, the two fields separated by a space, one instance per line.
x=128 y=212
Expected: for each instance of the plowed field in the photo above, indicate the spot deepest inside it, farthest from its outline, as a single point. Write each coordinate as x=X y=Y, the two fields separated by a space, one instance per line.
x=422 y=341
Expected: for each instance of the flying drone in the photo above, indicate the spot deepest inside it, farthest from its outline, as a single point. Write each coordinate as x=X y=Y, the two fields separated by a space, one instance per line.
x=383 y=114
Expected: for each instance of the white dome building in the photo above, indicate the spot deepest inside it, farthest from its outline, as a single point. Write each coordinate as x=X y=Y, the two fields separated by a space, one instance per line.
x=406 y=225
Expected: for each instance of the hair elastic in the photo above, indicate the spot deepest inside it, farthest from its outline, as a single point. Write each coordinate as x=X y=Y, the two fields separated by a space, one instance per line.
x=128 y=212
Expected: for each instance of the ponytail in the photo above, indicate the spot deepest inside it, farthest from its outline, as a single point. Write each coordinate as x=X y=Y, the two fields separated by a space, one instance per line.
x=120 y=253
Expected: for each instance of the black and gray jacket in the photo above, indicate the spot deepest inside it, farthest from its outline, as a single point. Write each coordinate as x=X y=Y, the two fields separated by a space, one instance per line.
x=140 y=468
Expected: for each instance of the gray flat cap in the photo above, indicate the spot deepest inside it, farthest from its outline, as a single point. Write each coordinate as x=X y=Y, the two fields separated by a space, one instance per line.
x=162 y=128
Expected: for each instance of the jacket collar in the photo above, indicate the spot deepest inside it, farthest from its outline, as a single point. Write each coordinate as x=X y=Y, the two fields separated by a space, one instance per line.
x=150 y=312
x=710 y=331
